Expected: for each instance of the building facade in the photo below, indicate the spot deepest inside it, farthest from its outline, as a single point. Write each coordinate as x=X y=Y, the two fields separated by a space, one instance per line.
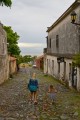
x=40 y=62
x=4 y=63
x=63 y=42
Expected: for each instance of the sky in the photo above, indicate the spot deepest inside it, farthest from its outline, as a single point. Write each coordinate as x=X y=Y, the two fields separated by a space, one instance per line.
x=30 y=19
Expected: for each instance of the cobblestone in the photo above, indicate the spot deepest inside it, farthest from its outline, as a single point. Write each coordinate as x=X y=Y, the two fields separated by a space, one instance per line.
x=15 y=104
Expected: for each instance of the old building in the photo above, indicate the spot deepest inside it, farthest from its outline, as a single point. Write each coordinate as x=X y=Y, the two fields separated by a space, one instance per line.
x=12 y=65
x=40 y=62
x=63 y=42
x=4 y=64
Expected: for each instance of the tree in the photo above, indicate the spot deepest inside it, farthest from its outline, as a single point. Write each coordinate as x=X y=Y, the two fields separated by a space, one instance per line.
x=76 y=60
x=12 y=39
x=7 y=3
x=12 y=36
x=14 y=49
x=19 y=59
x=27 y=58
x=34 y=57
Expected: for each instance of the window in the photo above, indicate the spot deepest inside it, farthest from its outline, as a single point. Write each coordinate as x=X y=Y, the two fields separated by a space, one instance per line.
x=58 y=68
x=52 y=66
x=48 y=62
x=57 y=41
x=50 y=43
x=70 y=67
x=47 y=41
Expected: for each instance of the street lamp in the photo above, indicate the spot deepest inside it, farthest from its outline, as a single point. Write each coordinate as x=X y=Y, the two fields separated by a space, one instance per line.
x=73 y=18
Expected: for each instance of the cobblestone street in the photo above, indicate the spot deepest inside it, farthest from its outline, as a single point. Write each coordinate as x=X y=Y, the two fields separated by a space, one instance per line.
x=15 y=104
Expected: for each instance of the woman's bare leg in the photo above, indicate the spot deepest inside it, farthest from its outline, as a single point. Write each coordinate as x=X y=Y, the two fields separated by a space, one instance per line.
x=35 y=96
x=31 y=95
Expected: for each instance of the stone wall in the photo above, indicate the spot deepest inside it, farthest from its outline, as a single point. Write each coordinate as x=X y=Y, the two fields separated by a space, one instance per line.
x=4 y=64
x=12 y=65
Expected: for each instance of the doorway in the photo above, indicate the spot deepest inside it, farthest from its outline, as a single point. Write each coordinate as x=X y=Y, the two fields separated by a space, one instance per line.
x=74 y=77
x=52 y=67
x=64 y=71
x=47 y=66
x=59 y=70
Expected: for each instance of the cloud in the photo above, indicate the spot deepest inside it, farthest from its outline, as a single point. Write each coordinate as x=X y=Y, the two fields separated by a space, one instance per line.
x=31 y=45
x=28 y=51
x=31 y=48
x=30 y=19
